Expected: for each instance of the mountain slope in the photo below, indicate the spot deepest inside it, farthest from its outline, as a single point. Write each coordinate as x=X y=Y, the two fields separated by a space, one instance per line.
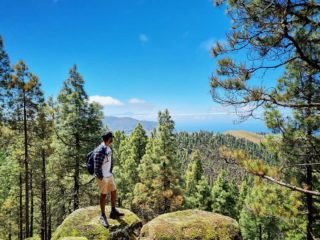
x=127 y=124
x=250 y=136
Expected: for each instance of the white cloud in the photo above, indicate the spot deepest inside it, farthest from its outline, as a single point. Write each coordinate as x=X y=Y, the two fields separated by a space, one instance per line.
x=105 y=100
x=137 y=101
x=140 y=105
x=143 y=38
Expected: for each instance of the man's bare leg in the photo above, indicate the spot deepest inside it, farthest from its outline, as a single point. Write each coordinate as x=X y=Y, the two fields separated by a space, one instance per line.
x=114 y=213
x=113 y=199
x=103 y=218
x=103 y=202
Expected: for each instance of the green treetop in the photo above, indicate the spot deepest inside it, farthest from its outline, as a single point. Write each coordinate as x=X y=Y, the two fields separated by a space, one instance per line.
x=224 y=196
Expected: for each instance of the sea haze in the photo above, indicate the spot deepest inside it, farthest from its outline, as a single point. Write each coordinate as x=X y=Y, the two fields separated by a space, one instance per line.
x=127 y=124
x=221 y=127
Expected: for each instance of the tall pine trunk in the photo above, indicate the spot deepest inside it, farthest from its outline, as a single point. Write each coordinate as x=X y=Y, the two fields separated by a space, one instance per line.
x=20 y=208
x=63 y=210
x=32 y=204
x=310 y=213
x=49 y=223
x=44 y=227
x=10 y=232
x=260 y=232
x=76 y=176
x=167 y=202
x=26 y=166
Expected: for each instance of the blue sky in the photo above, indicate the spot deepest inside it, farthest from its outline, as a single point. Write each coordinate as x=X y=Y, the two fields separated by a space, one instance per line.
x=136 y=56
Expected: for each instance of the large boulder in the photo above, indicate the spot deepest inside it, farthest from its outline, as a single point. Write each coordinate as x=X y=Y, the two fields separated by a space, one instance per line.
x=33 y=238
x=191 y=224
x=84 y=224
x=73 y=238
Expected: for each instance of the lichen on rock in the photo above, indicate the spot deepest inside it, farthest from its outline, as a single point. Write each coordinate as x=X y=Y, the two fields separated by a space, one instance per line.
x=191 y=224
x=37 y=237
x=73 y=238
x=85 y=223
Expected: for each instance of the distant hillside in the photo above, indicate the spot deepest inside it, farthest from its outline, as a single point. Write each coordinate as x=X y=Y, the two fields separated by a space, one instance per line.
x=127 y=124
x=250 y=136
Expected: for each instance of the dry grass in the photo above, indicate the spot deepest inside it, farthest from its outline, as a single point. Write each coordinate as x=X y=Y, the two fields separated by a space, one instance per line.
x=250 y=136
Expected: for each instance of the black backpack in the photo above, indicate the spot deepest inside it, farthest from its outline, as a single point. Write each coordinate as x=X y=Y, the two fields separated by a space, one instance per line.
x=90 y=162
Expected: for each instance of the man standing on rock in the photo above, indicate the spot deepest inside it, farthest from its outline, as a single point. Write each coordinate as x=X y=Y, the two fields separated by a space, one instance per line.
x=103 y=172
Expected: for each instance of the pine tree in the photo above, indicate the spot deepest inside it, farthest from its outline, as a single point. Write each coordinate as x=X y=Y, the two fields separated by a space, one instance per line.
x=138 y=139
x=167 y=181
x=9 y=191
x=78 y=129
x=118 y=140
x=242 y=195
x=44 y=134
x=158 y=190
x=197 y=193
x=117 y=144
x=278 y=35
x=119 y=137
x=224 y=196
x=194 y=172
x=125 y=171
x=297 y=147
x=5 y=71
x=203 y=194
x=271 y=212
x=144 y=202
x=129 y=157
x=24 y=98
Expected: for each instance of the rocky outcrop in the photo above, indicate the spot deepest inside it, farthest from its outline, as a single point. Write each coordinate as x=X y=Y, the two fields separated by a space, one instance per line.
x=191 y=224
x=33 y=238
x=73 y=238
x=83 y=224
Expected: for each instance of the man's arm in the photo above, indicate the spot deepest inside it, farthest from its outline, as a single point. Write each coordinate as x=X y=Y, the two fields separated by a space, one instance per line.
x=98 y=160
x=112 y=161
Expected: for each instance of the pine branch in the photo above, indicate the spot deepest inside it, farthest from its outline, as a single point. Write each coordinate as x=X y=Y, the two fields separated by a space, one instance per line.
x=239 y=158
x=290 y=186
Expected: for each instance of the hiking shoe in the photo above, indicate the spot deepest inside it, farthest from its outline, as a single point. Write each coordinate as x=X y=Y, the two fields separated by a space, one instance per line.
x=103 y=220
x=115 y=214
